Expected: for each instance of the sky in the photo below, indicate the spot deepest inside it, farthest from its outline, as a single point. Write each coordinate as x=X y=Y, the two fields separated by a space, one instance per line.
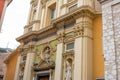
x=15 y=19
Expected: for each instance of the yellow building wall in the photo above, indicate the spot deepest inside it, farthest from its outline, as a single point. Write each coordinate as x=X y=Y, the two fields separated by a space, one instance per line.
x=11 y=67
x=98 y=58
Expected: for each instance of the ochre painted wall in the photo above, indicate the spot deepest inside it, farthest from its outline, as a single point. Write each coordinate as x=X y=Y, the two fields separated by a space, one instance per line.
x=11 y=67
x=2 y=2
x=98 y=57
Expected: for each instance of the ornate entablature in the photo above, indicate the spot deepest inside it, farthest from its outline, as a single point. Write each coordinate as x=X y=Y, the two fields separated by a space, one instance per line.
x=79 y=12
x=84 y=11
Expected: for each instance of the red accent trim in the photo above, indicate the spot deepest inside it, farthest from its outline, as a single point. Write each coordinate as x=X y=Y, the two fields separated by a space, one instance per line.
x=2 y=3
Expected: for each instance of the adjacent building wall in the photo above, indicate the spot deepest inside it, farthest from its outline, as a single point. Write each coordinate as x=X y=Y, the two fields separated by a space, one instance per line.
x=11 y=66
x=111 y=38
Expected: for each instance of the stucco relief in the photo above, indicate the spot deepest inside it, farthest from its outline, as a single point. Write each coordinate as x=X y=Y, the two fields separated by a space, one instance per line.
x=46 y=54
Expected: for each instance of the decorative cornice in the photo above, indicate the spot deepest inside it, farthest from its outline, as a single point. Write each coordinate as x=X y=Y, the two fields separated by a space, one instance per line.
x=36 y=33
x=81 y=11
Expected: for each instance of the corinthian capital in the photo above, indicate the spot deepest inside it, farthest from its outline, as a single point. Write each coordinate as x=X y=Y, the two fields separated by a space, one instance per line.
x=60 y=37
x=79 y=31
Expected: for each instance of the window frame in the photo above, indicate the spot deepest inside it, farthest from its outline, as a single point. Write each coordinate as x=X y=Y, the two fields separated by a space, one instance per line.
x=52 y=13
x=67 y=50
x=72 y=7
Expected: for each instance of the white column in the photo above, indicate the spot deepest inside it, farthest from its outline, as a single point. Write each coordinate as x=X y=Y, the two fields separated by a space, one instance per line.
x=83 y=59
x=78 y=59
x=17 y=68
x=28 y=66
x=38 y=9
x=64 y=9
x=87 y=64
x=42 y=18
x=30 y=12
x=58 y=66
x=58 y=8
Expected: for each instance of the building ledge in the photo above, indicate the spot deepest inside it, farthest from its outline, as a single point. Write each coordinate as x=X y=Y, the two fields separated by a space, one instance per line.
x=35 y=33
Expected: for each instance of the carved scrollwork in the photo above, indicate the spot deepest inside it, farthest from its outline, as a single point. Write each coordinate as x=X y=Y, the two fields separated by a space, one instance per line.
x=60 y=37
x=79 y=31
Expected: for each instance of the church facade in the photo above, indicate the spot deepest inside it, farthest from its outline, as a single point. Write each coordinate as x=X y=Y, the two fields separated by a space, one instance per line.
x=62 y=41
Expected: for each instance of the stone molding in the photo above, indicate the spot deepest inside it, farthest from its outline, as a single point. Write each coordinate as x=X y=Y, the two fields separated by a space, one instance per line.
x=36 y=33
x=79 y=12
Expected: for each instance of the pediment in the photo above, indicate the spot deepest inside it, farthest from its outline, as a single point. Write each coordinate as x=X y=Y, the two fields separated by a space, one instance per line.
x=43 y=65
